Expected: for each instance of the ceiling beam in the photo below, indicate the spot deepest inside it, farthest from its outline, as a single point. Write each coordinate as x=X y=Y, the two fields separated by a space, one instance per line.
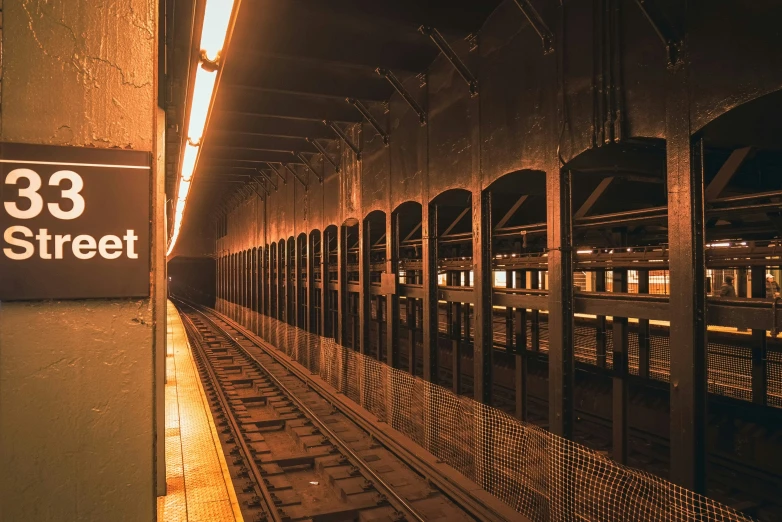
x=234 y=122
x=285 y=106
x=509 y=214
x=456 y=221
x=584 y=209
x=729 y=169
x=313 y=80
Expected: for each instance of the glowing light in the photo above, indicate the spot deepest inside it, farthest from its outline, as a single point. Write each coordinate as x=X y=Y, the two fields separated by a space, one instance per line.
x=188 y=161
x=184 y=188
x=216 y=17
x=718 y=245
x=583 y=251
x=199 y=108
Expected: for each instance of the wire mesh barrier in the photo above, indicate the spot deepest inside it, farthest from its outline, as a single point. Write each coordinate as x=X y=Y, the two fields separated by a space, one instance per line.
x=542 y=476
x=730 y=371
x=774 y=379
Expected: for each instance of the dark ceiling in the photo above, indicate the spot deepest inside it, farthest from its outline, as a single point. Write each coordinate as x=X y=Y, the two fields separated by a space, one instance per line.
x=292 y=64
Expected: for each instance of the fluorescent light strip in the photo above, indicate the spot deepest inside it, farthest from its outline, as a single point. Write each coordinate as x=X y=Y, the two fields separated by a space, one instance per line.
x=199 y=106
x=217 y=16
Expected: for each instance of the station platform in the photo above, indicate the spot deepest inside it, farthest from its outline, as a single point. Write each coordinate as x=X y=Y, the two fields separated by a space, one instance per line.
x=198 y=484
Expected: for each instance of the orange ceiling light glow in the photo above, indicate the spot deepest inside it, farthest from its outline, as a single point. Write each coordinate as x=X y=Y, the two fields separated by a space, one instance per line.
x=217 y=19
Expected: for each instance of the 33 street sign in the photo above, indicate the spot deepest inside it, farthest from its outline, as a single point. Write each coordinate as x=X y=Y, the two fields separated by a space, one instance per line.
x=74 y=222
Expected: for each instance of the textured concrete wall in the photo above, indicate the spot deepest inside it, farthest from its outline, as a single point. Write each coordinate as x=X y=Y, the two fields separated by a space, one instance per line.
x=77 y=401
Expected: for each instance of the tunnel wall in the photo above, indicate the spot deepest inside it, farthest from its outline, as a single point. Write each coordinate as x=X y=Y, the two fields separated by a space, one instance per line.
x=530 y=104
x=609 y=81
x=80 y=422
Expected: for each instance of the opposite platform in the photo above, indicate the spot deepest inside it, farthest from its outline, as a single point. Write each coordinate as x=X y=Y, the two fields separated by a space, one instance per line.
x=198 y=483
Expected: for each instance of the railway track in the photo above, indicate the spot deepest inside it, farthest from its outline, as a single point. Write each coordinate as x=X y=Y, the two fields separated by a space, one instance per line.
x=294 y=455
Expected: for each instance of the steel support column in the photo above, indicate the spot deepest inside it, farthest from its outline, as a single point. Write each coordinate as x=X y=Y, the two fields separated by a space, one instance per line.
x=242 y=286
x=760 y=341
x=644 y=344
x=282 y=267
x=273 y=266
x=688 y=292
x=229 y=283
x=364 y=297
x=245 y=287
x=267 y=283
x=325 y=329
x=392 y=300
x=379 y=320
x=291 y=280
x=483 y=352
x=534 y=284
x=297 y=266
x=254 y=289
x=429 y=265
x=600 y=326
x=239 y=286
x=250 y=290
x=455 y=333
x=311 y=319
x=219 y=282
x=342 y=276
x=621 y=388
x=560 y=316
x=411 y=334
x=520 y=334
x=741 y=283
x=261 y=288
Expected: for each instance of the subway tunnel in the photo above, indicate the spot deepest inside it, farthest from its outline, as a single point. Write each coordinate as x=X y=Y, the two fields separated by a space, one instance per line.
x=410 y=260
x=475 y=194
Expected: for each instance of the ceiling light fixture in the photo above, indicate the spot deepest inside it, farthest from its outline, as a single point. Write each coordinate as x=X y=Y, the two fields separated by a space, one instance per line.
x=214 y=35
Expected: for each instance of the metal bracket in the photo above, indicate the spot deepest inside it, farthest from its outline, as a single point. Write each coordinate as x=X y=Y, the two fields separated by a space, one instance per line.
x=247 y=190
x=397 y=85
x=287 y=166
x=284 y=181
x=452 y=57
x=310 y=167
x=252 y=186
x=370 y=119
x=666 y=34
x=207 y=64
x=472 y=40
x=325 y=154
x=344 y=137
x=269 y=178
x=537 y=23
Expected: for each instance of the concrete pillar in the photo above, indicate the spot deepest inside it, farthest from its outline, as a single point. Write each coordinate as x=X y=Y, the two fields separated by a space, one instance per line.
x=80 y=419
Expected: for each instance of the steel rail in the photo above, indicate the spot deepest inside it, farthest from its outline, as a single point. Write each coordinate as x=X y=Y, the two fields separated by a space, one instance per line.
x=455 y=492
x=271 y=508
x=343 y=447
